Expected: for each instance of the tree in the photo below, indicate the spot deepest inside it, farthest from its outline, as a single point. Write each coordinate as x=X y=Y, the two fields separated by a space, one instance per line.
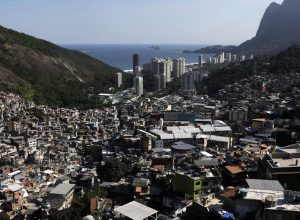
x=112 y=170
x=4 y=162
x=96 y=192
x=38 y=113
x=4 y=216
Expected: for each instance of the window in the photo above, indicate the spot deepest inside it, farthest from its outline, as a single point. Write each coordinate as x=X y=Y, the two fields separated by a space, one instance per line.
x=205 y=183
x=198 y=183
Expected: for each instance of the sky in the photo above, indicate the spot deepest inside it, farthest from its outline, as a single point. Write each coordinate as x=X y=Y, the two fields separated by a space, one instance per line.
x=135 y=21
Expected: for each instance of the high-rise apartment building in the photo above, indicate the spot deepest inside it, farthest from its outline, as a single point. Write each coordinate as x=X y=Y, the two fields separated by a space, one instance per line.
x=242 y=58
x=135 y=61
x=162 y=68
x=119 y=79
x=201 y=60
x=138 y=85
x=157 y=82
x=178 y=67
x=234 y=58
x=221 y=58
x=228 y=57
x=188 y=82
x=168 y=68
x=155 y=66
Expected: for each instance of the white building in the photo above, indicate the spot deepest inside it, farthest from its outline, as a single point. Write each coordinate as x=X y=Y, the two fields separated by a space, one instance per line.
x=138 y=85
x=119 y=79
x=215 y=60
x=228 y=57
x=234 y=58
x=178 y=67
x=221 y=57
x=168 y=68
x=201 y=60
x=162 y=68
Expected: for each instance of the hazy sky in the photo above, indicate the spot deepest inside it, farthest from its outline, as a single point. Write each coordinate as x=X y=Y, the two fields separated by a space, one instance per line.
x=135 y=21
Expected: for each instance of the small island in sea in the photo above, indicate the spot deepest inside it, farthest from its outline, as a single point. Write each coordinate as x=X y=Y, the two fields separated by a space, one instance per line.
x=155 y=47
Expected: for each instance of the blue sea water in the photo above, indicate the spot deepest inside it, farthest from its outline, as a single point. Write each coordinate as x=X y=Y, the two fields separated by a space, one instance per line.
x=120 y=55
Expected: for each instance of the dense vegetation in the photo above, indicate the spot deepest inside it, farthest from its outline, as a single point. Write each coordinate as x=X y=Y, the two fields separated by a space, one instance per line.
x=112 y=170
x=49 y=74
x=4 y=162
x=4 y=216
x=80 y=206
x=284 y=62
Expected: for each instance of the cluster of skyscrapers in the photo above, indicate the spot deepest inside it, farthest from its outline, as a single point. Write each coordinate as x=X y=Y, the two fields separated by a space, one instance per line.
x=227 y=57
x=164 y=70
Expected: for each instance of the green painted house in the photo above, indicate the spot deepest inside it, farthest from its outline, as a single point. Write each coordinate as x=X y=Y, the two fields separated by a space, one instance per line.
x=186 y=184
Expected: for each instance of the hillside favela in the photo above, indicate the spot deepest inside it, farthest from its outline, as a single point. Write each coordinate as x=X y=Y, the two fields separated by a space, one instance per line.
x=150 y=110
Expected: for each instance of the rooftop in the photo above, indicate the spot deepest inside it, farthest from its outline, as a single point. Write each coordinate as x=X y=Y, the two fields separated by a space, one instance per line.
x=136 y=211
x=214 y=138
x=62 y=189
x=279 y=196
x=264 y=184
x=182 y=146
x=280 y=162
x=234 y=169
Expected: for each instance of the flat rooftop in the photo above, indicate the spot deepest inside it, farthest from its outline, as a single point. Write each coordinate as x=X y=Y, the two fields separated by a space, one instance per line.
x=62 y=189
x=136 y=211
x=264 y=184
x=234 y=169
x=293 y=162
x=282 y=203
x=291 y=151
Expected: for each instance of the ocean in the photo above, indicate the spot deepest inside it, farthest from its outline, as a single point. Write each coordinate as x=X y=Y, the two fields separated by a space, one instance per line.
x=120 y=55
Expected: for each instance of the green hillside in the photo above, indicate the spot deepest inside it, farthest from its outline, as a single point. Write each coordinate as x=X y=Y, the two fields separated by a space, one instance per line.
x=285 y=62
x=49 y=74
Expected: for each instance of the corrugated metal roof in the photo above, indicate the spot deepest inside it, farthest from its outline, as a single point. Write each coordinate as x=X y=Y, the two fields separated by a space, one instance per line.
x=180 y=134
x=207 y=128
x=214 y=138
x=222 y=128
x=264 y=184
x=136 y=211
x=62 y=189
x=182 y=146
x=163 y=135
